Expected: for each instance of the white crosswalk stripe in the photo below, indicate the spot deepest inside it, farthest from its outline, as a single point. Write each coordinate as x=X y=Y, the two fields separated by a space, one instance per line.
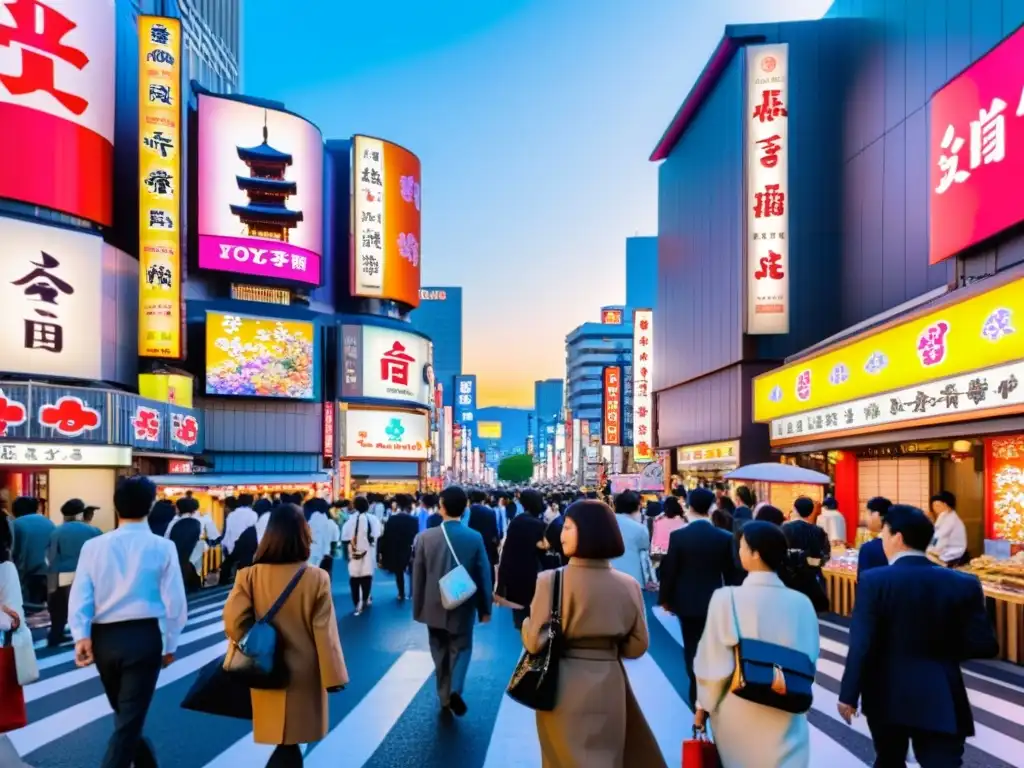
x=512 y=741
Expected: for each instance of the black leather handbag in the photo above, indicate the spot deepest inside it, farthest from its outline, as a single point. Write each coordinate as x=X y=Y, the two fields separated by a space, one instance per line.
x=256 y=661
x=769 y=674
x=534 y=682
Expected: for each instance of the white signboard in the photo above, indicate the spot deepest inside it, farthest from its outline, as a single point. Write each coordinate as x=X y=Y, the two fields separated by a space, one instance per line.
x=64 y=455
x=767 y=188
x=395 y=365
x=385 y=435
x=643 y=385
x=368 y=218
x=50 y=291
x=958 y=397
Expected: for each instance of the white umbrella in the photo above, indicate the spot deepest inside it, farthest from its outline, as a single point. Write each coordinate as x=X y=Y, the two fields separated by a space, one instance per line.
x=778 y=473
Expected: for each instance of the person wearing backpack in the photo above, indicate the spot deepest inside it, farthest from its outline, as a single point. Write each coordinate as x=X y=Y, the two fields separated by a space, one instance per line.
x=307 y=641
x=361 y=533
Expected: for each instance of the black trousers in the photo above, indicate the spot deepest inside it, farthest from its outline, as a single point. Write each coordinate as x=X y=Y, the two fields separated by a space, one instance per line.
x=286 y=756
x=128 y=658
x=693 y=628
x=400 y=583
x=360 y=586
x=932 y=750
x=327 y=564
x=58 y=606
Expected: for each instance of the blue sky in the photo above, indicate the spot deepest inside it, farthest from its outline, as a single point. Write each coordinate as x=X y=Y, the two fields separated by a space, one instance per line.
x=533 y=120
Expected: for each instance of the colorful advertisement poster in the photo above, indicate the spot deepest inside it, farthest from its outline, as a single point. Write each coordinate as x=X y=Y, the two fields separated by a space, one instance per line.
x=385 y=221
x=611 y=317
x=1004 y=488
x=373 y=434
x=160 y=178
x=767 y=183
x=611 y=405
x=260 y=357
x=976 y=152
x=57 y=105
x=261 y=178
x=643 y=385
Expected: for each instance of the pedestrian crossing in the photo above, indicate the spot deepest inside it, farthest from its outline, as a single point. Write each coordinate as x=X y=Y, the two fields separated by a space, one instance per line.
x=388 y=711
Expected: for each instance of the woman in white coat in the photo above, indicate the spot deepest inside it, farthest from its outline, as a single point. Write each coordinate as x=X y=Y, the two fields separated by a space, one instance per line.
x=361 y=532
x=750 y=735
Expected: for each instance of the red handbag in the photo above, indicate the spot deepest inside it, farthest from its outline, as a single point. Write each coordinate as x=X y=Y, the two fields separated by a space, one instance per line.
x=12 y=698
x=700 y=752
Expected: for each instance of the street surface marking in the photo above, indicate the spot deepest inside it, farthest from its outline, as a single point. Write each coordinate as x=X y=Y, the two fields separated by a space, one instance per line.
x=513 y=739
x=670 y=719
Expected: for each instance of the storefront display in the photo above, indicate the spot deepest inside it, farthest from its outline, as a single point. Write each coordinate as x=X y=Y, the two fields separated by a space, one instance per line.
x=706 y=463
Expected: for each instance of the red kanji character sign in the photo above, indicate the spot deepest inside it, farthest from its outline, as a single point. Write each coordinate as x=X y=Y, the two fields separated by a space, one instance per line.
x=147 y=423
x=771 y=106
x=931 y=344
x=37 y=27
x=644 y=325
x=771 y=202
x=770 y=267
x=770 y=147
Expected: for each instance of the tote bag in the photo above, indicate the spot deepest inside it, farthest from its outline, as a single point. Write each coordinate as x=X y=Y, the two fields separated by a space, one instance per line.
x=534 y=682
x=456 y=586
x=25 y=658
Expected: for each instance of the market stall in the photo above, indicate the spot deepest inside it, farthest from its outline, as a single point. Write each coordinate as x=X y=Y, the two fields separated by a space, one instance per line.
x=781 y=484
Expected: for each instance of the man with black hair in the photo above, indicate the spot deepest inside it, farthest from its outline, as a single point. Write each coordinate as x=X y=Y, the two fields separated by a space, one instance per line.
x=484 y=521
x=66 y=544
x=31 y=531
x=699 y=561
x=636 y=560
x=914 y=624
x=127 y=583
x=949 y=544
x=871 y=554
x=809 y=550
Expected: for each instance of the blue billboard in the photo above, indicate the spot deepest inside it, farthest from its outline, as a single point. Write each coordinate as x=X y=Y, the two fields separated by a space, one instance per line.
x=465 y=403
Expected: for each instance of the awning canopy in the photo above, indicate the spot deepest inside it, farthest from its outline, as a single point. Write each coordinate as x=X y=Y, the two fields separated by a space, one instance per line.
x=216 y=480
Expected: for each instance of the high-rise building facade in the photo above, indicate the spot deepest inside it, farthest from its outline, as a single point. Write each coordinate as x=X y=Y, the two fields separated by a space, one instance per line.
x=589 y=348
x=212 y=37
x=439 y=316
x=641 y=272
x=548 y=404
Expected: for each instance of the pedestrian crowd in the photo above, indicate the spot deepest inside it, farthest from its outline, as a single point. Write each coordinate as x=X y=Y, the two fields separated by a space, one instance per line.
x=744 y=580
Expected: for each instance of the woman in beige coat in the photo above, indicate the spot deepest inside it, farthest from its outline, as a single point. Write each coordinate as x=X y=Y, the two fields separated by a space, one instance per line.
x=597 y=722
x=307 y=631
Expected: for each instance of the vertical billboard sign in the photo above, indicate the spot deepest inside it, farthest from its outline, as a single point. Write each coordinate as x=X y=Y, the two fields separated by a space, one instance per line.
x=767 y=188
x=976 y=152
x=160 y=178
x=385 y=252
x=570 y=433
x=643 y=392
x=329 y=429
x=611 y=405
x=57 y=105
x=465 y=402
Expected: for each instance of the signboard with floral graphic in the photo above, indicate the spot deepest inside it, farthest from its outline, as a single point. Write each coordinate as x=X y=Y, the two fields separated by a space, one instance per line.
x=372 y=434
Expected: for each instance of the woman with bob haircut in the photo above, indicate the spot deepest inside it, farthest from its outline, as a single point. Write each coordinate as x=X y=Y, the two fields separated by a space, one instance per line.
x=307 y=636
x=763 y=609
x=597 y=722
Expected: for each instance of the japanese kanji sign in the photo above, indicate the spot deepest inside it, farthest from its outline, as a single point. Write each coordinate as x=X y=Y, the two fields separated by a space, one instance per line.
x=385 y=221
x=766 y=121
x=392 y=364
x=643 y=385
x=57 y=105
x=611 y=405
x=977 y=152
x=160 y=179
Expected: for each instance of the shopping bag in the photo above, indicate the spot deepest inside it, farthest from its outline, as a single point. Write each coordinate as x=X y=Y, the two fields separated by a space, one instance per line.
x=700 y=752
x=12 y=698
x=215 y=692
x=25 y=658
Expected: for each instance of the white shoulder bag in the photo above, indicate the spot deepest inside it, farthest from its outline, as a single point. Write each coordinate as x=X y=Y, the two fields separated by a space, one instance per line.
x=25 y=658
x=457 y=586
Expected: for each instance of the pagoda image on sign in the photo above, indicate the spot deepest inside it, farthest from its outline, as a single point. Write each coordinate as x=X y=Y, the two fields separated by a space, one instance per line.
x=267 y=214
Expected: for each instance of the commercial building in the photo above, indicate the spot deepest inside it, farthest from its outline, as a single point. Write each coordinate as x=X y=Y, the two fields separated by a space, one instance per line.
x=439 y=316
x=641 y=272
x=589 y=349
x=548 y=411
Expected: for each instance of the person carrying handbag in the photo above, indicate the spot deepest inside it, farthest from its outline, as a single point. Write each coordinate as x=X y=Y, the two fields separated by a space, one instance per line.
x=362 y=531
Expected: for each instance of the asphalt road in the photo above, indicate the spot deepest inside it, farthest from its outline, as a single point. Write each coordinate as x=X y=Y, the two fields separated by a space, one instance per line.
x=388 y=716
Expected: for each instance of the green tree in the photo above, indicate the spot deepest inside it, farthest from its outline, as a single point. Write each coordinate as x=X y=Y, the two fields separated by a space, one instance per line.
x=516 y=469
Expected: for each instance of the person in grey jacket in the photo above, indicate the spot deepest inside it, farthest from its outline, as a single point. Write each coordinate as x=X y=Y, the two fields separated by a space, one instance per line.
x=65 y=547
x=450 y=632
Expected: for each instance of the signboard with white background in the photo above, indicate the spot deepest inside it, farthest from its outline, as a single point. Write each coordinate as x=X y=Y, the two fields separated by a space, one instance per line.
x=643 y=386
x=395 y=365
x=766 y=122
x=63 y=455
x=372 y=434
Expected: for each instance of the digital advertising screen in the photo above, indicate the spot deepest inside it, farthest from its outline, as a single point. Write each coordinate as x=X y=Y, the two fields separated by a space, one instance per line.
x=260 y=192
x=385 y=221
x=248 y=356
x=385 y=434
x=386 y=364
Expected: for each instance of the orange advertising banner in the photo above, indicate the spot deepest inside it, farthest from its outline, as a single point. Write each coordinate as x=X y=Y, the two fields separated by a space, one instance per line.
x=611 y=406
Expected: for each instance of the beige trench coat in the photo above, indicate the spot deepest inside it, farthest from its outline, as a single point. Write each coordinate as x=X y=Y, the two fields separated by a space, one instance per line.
x=597 y=722
x=308 y=632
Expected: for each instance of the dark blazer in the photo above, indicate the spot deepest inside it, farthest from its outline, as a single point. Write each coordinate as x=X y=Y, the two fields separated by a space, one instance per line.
x=483 y=520
x=913 y=624
x=396 y=543
x=434 y=520
x=809 y=537
x=161 y=517
x=871 y=555
x=520 y=560
x=432 y=560
x=699 y=561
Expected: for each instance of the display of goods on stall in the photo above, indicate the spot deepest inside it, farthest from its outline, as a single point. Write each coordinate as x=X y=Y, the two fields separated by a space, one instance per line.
x=843 y=560
x=1001 y=574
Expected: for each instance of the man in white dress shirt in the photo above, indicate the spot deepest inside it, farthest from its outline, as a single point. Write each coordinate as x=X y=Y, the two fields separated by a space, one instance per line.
x=238 y=521
x=950 y=543
x=127 y=582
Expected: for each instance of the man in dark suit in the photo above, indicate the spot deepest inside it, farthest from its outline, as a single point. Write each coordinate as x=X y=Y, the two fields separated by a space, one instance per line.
x=483 y=520
x=913 y=624
x=450 y=632
x=699 y=561
x=872 y=554
x=809 y=550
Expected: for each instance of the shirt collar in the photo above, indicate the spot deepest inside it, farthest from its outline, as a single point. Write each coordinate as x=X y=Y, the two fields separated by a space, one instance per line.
x=698 y=519
x=907 y=553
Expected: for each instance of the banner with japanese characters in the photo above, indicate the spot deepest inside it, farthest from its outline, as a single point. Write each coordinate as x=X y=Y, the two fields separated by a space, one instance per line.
x=611 y=405
x=643 y=385
x=383 y=363
x=976 y=154
x=57 y=62
x=385 y=221
x=160 y=179
x=766 y=133
x=51 y=287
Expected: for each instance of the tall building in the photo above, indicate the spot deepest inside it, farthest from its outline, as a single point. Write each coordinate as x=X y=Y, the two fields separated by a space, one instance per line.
x=212 y=32
x=589 y=348
x=439 y=316
x=502 y=431
x=548 y=402
x=641 y=272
